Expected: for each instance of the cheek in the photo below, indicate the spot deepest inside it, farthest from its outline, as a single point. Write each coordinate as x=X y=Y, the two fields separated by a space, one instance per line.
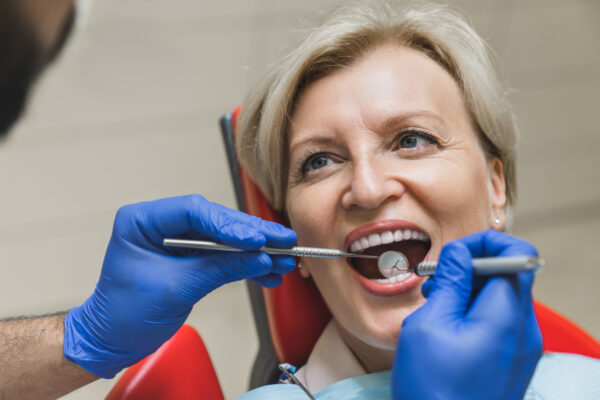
x=456 y=194
x=298 y=209
x=311 y=213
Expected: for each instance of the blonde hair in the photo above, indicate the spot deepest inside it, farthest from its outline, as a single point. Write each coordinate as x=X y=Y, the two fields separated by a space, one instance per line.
x=349 y=34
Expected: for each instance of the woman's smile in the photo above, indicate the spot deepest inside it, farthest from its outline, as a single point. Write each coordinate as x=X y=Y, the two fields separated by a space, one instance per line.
x=378 y=237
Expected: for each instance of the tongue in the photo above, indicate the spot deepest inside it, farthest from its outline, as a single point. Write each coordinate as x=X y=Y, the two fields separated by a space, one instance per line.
x=414 y=250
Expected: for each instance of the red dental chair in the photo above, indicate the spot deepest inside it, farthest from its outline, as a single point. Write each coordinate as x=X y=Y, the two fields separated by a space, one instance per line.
x=288 y=319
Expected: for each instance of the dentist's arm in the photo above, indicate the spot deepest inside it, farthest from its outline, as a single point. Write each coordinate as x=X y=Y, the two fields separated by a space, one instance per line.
x=475 y=338
x=32 y=363
x=146 y=291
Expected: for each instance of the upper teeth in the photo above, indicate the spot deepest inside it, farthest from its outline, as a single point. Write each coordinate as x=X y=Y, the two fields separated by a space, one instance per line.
x=377 y=239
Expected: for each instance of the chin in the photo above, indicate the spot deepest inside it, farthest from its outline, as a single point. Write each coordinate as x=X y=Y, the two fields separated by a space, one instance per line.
x=383 y=332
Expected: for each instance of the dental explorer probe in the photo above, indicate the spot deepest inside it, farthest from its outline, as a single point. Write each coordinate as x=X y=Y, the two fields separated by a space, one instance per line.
x=294 y=251
x=392 y=263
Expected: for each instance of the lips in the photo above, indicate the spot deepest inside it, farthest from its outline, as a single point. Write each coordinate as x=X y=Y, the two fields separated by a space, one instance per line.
x=381 y=236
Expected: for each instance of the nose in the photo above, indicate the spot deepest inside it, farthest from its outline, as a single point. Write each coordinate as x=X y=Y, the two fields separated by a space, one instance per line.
x=371 y=185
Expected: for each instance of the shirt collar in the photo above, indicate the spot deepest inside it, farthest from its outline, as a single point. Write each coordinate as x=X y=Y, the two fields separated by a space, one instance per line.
x=330 y=361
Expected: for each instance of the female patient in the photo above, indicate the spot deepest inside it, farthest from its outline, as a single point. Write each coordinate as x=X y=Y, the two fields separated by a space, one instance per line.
x=388 y=129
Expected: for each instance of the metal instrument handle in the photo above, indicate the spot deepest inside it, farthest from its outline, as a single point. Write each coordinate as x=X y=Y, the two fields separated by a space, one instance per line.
x=490 y=265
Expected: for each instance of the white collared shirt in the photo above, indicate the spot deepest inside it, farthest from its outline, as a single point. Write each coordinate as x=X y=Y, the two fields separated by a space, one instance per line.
x=330 y=361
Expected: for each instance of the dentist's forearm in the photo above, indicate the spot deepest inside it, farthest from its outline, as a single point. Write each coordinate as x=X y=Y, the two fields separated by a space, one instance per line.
x=32 y=363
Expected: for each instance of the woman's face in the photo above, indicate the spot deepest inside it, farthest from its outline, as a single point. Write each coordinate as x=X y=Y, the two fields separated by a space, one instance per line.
x=383 y=156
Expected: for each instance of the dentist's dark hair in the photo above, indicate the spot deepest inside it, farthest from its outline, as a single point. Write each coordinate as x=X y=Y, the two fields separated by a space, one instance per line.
x=22 y=58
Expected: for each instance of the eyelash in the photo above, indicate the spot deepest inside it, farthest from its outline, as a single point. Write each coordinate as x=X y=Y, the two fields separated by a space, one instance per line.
x=415 y=132
x=308 y=156
x=298 y=172
x=300 y=169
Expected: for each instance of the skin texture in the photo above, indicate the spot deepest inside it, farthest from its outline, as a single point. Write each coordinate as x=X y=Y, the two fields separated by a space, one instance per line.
x=355 y=118
x=32 y=364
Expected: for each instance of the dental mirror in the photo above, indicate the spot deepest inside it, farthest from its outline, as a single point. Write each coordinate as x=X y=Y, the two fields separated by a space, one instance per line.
x=392 y=263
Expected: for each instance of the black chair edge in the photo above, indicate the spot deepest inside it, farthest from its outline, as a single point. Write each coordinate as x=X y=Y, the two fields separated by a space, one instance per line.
x=264 y=370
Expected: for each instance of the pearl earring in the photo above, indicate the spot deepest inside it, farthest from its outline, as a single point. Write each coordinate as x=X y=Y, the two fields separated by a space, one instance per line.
x=299 y=264
x=497 y=221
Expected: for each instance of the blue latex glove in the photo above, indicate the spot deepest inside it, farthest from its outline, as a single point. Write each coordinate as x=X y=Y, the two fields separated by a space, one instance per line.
x=475 y=337
x=146 y=291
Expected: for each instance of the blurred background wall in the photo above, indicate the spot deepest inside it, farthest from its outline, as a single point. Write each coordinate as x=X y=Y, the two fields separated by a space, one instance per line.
x=129 y=113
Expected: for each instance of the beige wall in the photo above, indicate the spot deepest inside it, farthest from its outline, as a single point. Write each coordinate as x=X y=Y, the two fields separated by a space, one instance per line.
x=130 y=110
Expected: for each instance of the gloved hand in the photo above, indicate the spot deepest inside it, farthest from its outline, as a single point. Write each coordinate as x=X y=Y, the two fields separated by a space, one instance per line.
x=475 y=337
x=146 y=291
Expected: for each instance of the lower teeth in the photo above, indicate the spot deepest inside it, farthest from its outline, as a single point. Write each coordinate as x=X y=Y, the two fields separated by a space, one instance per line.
x=395 y=278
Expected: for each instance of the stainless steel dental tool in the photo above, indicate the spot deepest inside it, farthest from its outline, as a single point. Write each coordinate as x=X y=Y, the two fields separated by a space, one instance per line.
x=392 y=263
x=294 y=251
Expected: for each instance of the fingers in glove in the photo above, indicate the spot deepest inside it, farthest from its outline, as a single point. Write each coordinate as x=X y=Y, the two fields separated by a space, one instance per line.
x=191 y=278
x=505 y=302
x=239 y=229
x=426 y=288
x=450 y=289
x=276 y=234
x=269 y=281
x=219 y=269
x=492 y=243
x=283 y=264
x=178 y=216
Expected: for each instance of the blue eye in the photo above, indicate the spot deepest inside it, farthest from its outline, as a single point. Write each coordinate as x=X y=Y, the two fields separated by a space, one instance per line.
x=409 y=141
x=316 y=162
x=414 y=139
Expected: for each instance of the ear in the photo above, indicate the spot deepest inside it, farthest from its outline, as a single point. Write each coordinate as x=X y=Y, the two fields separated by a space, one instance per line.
x=497 y=191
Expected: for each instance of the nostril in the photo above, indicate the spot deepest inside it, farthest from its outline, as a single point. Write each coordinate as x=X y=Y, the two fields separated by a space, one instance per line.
x=370 y=189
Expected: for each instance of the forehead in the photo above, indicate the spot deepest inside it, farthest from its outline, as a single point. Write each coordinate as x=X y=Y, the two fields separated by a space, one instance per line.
x=387 y=83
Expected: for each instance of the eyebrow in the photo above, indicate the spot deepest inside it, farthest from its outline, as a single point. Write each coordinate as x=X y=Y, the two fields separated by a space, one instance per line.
x=393 y=121
x=319 y=140
x=387 y=125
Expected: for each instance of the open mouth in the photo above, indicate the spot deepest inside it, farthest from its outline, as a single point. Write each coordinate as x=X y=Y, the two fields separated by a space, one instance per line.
x=412 y=243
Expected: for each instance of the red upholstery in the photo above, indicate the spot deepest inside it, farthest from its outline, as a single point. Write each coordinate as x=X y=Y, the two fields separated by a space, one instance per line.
x=180 y=369
x=563 y=336
x=293 y=333
x=310 y=313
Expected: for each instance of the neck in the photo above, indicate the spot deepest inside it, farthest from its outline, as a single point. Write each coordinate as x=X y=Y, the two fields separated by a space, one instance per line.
x=373 y=359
